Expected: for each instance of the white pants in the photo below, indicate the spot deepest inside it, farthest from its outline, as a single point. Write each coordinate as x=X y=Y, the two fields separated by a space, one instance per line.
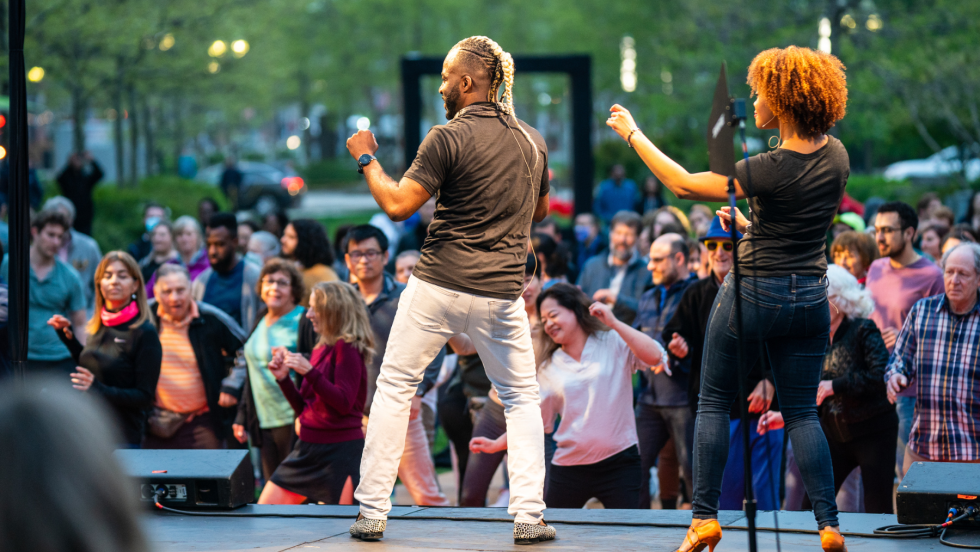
x=427 y=317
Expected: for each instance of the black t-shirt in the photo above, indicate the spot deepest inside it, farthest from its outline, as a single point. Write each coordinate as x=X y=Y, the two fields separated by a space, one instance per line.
x=795 y=197
x=477 y=167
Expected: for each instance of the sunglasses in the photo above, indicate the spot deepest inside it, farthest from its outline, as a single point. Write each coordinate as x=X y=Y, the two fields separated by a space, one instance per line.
x=711 y=245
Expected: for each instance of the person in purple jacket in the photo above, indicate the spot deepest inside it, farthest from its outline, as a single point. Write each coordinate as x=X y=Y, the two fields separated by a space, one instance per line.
x=325 y=463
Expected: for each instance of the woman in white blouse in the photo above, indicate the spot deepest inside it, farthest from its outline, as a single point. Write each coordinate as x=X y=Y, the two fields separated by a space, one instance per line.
x=587 y=380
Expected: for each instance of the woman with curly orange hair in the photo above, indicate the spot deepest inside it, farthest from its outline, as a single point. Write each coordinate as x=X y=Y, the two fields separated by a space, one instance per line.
x=794 y=192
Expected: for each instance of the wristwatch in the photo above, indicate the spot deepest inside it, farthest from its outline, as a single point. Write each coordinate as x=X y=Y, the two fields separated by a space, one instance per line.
x=364 y=161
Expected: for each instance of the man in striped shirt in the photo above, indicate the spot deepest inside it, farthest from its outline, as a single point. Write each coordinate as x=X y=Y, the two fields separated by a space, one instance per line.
x=939 y=345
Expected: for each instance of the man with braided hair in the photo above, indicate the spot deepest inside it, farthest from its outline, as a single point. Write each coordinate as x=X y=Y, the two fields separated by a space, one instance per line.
x=489 y=174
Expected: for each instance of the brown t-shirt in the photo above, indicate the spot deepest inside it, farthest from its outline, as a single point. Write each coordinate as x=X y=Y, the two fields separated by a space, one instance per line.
x=475 y=166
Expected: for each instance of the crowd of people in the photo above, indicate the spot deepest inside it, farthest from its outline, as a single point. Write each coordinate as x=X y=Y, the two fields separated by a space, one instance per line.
x=223 y=334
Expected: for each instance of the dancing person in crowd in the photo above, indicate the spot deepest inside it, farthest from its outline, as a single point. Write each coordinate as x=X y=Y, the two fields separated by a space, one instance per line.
x=189 y=240
x=451 y=285
x=589 y=241
x=802 y=93
x=79 y=250
x=324 y=464
x=120 y=361
x=896 y=282
x=491 y=423
x=262 y=246
x=597 y=455
x=164 y=251
x=619 y=277
x=860 y=424
x=264 y=413
x=662 y=411
x=616 y=193
x=938 y=348
x=931 y=240
x=229 y=283
x=366 y=256
x=55 y=290
x=152 y=214
x=405 y=264
x=854 y=252
x=77 y=181
x=305 y=242
x=651 y=197
x=58 y=435
x=199 y=343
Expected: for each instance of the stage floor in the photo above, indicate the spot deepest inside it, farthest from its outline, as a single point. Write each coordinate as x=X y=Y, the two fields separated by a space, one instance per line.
x=447 y=529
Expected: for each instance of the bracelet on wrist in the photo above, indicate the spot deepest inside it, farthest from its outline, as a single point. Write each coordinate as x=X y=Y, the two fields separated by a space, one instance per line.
x=629 y=139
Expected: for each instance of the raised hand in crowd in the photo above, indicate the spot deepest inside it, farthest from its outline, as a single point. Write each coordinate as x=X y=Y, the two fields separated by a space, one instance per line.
x=227 y=400
x=678 y=346
x=890 y=336
x=489 y=446
x=60 y=323
x=895 y=385
x=824 y=390
x=742 y=223
x=761 y=397
x=643 y=346
x=82 y=379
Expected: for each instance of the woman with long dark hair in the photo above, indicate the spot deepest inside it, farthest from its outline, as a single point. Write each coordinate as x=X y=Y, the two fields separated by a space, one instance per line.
x=587 y=379
x=305 y=242
x=121 y=358
x=794 y=193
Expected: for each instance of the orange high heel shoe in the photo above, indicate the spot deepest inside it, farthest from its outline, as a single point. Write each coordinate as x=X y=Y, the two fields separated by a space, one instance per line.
x=706 y=535
x=831 y=540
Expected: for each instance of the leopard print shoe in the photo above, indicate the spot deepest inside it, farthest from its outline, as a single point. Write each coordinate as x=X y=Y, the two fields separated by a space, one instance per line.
x=368 y=529
x=528 y=533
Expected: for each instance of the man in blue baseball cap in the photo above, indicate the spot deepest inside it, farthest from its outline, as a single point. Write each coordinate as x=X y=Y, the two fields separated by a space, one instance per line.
x=684 y=335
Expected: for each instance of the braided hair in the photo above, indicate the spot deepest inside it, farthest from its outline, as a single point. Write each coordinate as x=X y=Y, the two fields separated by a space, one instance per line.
x=499 y=67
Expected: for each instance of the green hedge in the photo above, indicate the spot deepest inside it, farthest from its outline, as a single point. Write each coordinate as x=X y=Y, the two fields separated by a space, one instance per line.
x=119 y=211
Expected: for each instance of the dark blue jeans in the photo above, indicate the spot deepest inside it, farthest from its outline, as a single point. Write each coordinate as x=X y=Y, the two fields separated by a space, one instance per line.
x=790 y=316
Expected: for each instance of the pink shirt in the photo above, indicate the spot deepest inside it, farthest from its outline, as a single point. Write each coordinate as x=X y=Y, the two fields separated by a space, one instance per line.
x=895 y=290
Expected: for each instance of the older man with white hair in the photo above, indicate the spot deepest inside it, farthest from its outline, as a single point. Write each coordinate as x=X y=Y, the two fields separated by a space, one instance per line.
x=938 y=347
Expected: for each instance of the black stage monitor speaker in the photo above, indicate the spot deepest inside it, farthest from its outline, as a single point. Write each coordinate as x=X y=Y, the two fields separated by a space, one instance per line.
x=191 y=478
x=930 y=489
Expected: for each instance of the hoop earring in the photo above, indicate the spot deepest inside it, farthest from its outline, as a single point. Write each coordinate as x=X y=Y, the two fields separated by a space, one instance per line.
x=778 y=142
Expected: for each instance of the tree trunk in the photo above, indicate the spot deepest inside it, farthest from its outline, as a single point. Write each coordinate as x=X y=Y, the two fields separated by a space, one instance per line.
x=178 y=133
x=134 y=136
x=117 y=126
x=78 y=119
x=304 y=109
x=148 y=137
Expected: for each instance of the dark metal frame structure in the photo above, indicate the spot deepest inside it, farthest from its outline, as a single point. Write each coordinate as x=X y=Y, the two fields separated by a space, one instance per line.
x=579 y=70
x=19 y=271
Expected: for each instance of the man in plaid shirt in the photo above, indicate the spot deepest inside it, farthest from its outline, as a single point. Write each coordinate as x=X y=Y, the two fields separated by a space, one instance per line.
x=940 y=346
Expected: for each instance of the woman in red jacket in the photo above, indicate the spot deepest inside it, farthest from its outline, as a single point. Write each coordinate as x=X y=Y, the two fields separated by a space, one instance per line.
x=329 y=402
